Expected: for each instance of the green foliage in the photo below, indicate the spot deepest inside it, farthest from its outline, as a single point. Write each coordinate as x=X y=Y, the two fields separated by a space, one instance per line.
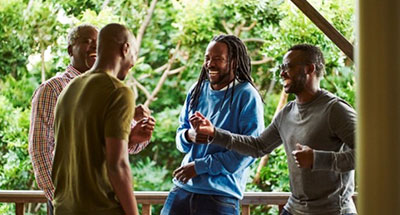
x=148 y=176
x=14 y=44
x=18 y=92
x=29 y=30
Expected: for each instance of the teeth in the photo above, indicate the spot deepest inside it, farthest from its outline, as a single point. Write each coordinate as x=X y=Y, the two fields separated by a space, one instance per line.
x=93 y=55
x=213 y=72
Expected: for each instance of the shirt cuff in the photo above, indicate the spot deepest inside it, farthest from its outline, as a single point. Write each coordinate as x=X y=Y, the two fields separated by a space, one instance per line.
x=323 y=160
x=201 y=166
x=222 y=137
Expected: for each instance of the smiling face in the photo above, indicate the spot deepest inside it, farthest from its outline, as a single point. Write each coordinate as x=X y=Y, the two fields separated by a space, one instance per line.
x=293 y=73
x=83 y=50
x=217 y=65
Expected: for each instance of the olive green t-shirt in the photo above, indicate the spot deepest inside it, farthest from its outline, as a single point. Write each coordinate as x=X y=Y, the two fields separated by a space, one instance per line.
x=92 y=107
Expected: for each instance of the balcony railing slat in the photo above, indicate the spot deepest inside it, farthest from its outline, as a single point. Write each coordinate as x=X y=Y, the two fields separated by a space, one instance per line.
x=146 y=209
x=245 y=209
x=19 y=208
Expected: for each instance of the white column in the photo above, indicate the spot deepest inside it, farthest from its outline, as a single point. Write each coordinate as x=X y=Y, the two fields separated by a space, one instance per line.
x=378 y=106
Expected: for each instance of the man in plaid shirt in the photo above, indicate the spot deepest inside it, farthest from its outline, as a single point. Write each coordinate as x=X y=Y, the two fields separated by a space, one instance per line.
x=82 y=51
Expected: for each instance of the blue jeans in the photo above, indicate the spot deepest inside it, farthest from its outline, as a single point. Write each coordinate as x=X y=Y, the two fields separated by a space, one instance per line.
x=182 y=202
x=50 y=208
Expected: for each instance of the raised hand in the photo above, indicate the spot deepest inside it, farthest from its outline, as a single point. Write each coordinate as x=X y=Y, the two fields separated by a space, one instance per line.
x=185 y=173
x=142 y=131
x=201 y=124
x=303 y=156
x=141 y=112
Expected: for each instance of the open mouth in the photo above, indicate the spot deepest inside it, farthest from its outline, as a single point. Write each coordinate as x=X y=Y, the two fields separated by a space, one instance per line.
x=93 y=55
x=213 y=73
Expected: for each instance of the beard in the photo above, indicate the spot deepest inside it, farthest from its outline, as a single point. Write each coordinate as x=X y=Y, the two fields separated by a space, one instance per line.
x=298 y=84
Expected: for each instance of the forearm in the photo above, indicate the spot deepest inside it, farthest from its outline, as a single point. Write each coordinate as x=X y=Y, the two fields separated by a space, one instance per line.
x=247 y=145
x=225 y=163
x=334 y=161
x=120 y=178
x=41 y=157
x=136 y=148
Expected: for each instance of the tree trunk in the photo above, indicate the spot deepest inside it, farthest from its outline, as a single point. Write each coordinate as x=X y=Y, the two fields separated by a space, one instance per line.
x=43 y=65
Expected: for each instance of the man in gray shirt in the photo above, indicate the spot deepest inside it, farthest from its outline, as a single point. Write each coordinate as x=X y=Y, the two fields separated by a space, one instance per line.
x=317 y=131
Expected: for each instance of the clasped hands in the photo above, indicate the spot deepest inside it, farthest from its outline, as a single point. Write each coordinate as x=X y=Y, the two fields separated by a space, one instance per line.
x=203 y=130
x=144 y=127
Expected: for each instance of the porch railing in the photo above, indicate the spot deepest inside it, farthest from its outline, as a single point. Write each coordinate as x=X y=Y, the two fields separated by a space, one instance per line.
x=145 y=198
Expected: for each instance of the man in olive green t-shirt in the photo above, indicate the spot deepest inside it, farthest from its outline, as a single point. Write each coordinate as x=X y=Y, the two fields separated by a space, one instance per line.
x=91 y=172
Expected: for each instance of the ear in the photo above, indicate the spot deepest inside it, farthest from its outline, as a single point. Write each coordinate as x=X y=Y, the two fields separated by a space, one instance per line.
x=125 y=49
x=310 y=68
x=70 y=50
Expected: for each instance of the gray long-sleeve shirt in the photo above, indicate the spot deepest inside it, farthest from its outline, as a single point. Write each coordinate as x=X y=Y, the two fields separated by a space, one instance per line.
x=327 y=125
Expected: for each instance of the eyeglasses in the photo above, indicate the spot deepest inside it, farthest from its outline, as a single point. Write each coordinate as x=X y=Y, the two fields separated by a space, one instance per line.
x=286 y=66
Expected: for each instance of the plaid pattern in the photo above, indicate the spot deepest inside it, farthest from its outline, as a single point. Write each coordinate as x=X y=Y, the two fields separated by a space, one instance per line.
x=138 y=147
x=41 y=132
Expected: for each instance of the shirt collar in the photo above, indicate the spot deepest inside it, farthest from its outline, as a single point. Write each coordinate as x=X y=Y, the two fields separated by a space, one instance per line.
x=229 y=85
x=72 y=72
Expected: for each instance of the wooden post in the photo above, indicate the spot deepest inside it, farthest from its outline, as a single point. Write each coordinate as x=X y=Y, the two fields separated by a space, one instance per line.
x=146 y=209
x=280 y=208
x=19 y=208
x=378 y=102
x=245 y=209
x=325 y=27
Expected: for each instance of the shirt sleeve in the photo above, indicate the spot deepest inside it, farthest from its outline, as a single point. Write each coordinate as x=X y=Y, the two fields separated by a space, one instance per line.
x=251 y=122
x=136 y=148
x=342 y=121
x=41 y=137
x=249 y=145
x=119 y=114
x=182 y=144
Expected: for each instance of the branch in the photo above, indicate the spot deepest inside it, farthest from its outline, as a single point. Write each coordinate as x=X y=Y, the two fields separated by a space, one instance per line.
x=262 y=61
x=226 y=27
x=239 y=28
x=250 y=26
x=176 y=71
x=144 y=25
x=142 y=88
x=258 y=40
x=161 y=68
x=163 y=77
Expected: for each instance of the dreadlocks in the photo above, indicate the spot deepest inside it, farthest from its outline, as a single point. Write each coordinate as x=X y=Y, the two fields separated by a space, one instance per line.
x=241 y=66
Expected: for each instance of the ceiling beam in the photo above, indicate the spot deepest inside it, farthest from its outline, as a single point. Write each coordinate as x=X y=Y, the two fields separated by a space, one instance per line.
x=325 y=27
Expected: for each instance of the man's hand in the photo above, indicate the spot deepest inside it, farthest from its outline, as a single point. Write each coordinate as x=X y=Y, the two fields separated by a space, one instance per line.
x=201 y=124
x=303 y=156
x=195 y=137
x=185 y=173
x=141 y=112
x=142 y=131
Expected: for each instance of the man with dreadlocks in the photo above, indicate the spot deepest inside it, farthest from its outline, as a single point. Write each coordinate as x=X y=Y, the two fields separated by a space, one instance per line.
x=211 y=175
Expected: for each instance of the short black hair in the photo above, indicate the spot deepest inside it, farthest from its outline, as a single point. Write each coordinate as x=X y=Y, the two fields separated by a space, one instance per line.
x=73 y=34
x=312 y=55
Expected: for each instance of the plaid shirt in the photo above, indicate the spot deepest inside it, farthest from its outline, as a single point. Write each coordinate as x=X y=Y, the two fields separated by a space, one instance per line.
x=41 y=132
